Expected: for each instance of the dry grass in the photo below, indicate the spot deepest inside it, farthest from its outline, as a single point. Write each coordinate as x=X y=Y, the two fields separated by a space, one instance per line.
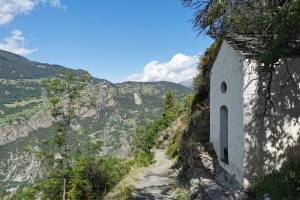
x=123 y=190
x=180 y=193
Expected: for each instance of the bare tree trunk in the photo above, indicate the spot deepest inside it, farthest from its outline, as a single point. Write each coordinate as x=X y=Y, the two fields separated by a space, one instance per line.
x=65 y=179
x=64 y=192
x=65 y=165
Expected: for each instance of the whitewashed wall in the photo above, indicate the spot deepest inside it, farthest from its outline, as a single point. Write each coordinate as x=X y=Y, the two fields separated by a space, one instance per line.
x=228 y=68
x=253 y=150
x=265 y=148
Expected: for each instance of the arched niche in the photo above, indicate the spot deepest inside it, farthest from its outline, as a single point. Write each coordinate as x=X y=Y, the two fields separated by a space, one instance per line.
x=224 y=157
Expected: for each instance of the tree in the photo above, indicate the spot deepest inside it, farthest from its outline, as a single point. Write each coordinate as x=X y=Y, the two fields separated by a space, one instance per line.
x=65 y=98
x=144 y=137
x=274 y=23
x=169 y=110
x=169 y=102
x=201 y=81
x=277 y=22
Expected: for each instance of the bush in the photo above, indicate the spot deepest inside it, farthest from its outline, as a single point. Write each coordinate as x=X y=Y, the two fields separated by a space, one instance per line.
x=89 y=179
x=202 y=79
x=24 y=193
x=145 y=137
x=126 y=193
x=181 y=194
x=173 y=148
x=283 y=184
x=141 y=159
x=94 y=178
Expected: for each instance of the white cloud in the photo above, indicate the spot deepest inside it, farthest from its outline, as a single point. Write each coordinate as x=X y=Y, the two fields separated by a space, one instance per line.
x=16 y=43
x=180 y=68
x=9 y=9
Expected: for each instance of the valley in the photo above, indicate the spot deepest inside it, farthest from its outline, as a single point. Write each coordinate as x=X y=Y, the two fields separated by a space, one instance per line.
x=25 y=119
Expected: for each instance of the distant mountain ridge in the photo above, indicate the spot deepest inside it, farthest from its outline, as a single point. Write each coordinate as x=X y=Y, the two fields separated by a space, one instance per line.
x=187 y=83
x=25 y=122
x=13 y=66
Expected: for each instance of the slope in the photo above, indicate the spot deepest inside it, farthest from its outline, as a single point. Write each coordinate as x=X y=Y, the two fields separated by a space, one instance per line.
x=25 y=120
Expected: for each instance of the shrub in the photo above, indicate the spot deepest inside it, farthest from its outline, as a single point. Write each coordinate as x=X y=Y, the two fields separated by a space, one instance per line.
x=173 y=148
x=181 y=194
x=141 y=159
x=126 y=193
x=283 y=184
x=89 y=179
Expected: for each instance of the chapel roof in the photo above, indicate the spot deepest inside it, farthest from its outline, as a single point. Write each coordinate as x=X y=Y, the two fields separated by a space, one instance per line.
x=251 y=45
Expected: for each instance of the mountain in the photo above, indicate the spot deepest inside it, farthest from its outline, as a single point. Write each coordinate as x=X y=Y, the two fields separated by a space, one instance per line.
x=187 y=83
x=25 y=117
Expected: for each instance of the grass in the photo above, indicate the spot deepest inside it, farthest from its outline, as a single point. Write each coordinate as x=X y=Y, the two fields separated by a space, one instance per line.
x=125 y=193
x=23 y=103
x=173 y=148
x=137 y=165
x=123 y=190
x=180 y=193
x=24 y=113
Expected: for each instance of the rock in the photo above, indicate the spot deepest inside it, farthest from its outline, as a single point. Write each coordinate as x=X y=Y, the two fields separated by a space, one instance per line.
x=137 y=99
x=200 y=168
x=215 y=192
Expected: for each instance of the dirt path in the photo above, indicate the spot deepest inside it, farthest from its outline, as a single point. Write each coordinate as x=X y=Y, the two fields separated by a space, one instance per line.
x=156 y=181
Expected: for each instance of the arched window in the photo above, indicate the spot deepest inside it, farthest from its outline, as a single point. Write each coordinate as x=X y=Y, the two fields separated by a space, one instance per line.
x=224 y=134
x=223 y=87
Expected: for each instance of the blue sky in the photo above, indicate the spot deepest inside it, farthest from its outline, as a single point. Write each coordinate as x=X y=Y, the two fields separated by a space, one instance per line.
x=117 y=40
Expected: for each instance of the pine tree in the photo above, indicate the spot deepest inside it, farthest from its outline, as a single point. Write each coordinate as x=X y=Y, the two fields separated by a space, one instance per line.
x=169 y=112
x=169 y=102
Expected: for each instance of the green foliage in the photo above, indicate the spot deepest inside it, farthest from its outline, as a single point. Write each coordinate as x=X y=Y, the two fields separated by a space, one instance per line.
x=19 y=90
x=45 y=189
x=50 y=188
x=89 y=179
x=283 y=184
x=168 y=108
x=144 y=137
x=181 y=193
x=141 y=159
x=25 y=193
x=285 y=24
x=184 y=107
x=276 y=22
x=126 y=193
x=64 y=96
x=169 y=102
x=173 y=148
x=23 y=96
x=209 y=15
x=201 y=81
x=23 y=114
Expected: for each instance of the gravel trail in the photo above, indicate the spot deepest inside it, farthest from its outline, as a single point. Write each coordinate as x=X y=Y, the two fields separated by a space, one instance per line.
x=156 y=181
